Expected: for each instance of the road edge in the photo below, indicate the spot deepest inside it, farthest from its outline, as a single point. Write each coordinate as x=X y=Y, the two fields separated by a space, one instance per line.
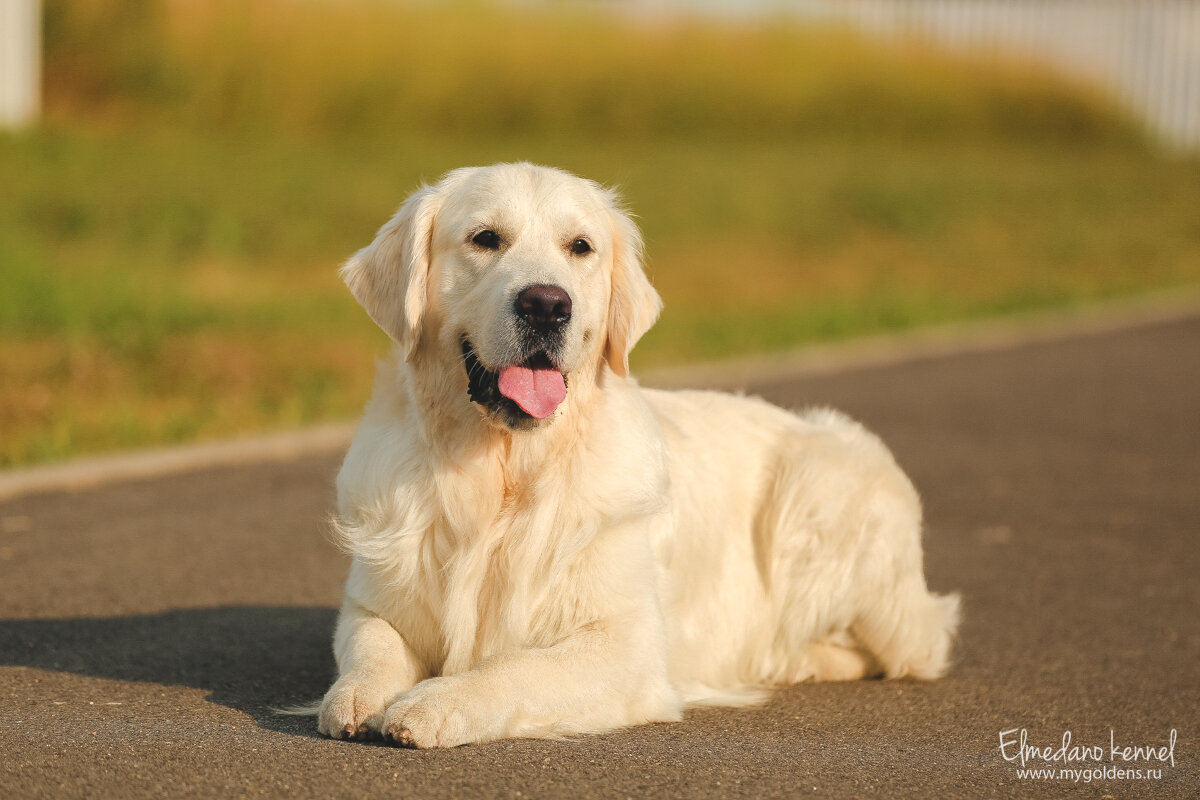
x=94 y=471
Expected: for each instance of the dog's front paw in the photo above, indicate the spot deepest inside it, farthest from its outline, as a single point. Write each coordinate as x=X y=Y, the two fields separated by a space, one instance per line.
x=353 y=708
x=434 y=713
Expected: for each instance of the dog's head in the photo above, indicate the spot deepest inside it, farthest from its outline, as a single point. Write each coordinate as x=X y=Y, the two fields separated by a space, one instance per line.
x=515 y=279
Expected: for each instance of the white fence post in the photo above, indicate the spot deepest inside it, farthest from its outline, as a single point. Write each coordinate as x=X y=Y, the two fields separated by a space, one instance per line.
x=20 y=62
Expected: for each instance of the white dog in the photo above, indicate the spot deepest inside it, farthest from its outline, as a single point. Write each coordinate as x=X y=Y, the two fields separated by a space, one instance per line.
x=540 y=547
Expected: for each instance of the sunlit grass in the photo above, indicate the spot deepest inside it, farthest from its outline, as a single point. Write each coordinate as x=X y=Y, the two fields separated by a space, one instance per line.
x=169 y=240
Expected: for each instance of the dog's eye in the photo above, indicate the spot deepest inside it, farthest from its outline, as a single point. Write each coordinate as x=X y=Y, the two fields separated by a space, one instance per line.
x=489 y=239
x=581 y=247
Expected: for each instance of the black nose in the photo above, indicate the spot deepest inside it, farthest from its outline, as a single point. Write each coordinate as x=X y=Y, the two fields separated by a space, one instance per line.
x=545 y=308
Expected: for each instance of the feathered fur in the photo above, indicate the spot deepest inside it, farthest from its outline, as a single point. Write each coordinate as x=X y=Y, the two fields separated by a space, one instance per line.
x=637 y=551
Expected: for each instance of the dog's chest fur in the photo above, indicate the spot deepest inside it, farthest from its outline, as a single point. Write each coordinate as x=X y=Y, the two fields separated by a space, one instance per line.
x=490 y=546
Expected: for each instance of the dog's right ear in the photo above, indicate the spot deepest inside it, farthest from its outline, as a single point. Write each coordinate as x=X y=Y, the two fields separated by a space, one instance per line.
x=389 y=276
x=633 y=304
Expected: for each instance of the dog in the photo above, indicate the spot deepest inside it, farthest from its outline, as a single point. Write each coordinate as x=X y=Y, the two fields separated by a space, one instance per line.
x=542 y=548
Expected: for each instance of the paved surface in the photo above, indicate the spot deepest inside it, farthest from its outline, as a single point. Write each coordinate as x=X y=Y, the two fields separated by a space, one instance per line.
x=147 y=628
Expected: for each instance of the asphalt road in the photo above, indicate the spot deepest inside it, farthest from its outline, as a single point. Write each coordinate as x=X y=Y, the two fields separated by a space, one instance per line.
x=148 y=628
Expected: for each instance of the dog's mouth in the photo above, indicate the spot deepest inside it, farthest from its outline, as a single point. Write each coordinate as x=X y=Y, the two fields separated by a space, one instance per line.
x=530 y=390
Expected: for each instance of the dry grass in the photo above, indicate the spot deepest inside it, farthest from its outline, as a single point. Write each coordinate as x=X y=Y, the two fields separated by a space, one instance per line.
x=352 y=69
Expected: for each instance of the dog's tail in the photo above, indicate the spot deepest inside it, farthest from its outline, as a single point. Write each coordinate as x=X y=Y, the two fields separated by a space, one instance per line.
x=308 y=710
x=702 y=695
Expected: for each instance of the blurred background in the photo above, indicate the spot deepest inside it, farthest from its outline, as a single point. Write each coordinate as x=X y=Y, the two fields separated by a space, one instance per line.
x=176 y=196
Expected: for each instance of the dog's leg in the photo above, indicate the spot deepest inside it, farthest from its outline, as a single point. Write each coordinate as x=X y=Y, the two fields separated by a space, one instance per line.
x=375 y=666
x=834 y=659
x=592 y=681
x=607 y=669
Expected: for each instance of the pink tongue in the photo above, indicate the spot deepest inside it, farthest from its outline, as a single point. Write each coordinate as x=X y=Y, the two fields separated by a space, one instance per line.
x=537 y=391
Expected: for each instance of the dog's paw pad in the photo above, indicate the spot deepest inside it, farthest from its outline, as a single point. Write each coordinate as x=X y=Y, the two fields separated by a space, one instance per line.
x=401 y=737
x=352 y=711
x=363 y=731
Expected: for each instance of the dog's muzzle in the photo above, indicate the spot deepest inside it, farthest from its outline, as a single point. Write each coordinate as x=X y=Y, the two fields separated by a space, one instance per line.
x=521 y=393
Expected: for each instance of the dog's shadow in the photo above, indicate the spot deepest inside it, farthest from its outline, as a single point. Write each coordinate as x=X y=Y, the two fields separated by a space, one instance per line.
x=255 y=659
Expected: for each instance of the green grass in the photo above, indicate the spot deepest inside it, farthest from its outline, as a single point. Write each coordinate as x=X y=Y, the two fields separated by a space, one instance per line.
x=169 y=239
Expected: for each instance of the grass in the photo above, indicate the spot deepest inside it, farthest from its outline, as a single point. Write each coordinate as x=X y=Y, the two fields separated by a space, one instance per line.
x=169 y=238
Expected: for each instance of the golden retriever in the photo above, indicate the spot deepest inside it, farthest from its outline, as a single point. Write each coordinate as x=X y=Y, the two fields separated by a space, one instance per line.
x=543 y=548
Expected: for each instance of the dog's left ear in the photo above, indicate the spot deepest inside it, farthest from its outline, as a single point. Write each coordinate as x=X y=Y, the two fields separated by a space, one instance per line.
x=388 y=277
x=634 y=305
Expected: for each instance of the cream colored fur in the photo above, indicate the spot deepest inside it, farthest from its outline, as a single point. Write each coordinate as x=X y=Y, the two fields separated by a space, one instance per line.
x=634 y=553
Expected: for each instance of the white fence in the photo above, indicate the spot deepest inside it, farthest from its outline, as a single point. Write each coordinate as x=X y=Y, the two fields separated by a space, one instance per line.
x=1145 y=52
x=20 y=62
